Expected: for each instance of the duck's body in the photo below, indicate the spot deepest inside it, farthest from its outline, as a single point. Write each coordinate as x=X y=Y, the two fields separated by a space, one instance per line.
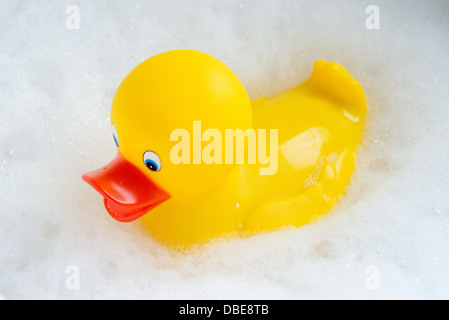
x=309 y=179
x=319 y=125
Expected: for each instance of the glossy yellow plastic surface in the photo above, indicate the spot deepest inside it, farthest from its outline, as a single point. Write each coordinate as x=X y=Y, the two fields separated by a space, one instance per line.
x=319 y=125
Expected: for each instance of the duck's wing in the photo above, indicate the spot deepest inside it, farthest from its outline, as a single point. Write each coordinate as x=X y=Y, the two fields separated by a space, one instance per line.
x=284 y=211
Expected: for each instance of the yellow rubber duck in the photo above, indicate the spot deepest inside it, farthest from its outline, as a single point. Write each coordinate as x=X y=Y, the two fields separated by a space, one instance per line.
x=197 y=160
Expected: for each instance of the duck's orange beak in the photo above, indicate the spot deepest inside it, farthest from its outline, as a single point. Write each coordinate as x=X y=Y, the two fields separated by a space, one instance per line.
x=128 y=193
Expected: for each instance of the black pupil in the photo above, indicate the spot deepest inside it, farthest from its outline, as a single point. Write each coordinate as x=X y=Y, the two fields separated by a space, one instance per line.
x=151 y=166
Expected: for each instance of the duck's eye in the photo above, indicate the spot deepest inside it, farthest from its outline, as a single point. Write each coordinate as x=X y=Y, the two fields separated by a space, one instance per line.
x=152 y=161
x=115 y=135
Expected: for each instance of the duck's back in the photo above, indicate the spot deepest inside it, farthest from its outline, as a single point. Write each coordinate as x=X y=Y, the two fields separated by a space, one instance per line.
x=319 y=126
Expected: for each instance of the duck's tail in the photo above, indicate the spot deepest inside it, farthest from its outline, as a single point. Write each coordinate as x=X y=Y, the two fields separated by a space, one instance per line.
x=334 y=81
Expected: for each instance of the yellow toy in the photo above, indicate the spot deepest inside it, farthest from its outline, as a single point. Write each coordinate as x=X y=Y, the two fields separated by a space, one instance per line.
x=281 y=161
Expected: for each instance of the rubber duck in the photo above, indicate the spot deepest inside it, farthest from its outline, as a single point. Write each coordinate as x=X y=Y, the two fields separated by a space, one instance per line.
x=198 y=160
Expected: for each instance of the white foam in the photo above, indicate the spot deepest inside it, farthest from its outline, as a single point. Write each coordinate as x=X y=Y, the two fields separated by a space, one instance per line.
x=388 y=238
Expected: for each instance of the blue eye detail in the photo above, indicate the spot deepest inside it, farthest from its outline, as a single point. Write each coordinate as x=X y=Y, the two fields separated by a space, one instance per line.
x=152 y=161
x=151 y=165
x=115 y=135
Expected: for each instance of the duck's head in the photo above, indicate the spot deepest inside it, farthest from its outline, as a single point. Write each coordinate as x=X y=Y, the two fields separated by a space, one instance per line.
x=166 y=92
